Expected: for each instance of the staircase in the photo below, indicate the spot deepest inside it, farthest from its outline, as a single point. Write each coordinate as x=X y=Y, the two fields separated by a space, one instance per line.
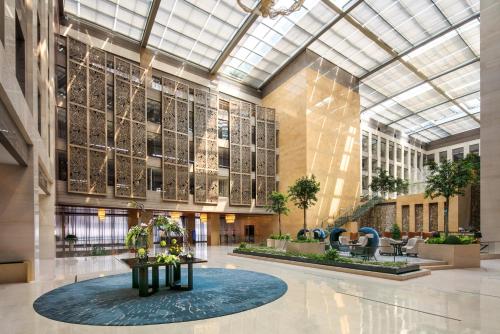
x=355 y=213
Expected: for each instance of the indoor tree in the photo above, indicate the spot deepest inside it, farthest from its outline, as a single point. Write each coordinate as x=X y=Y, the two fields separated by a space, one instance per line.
x=401 y=186
x=385 y=183
x=303 y=194
x=447 y=179
x=278 y=205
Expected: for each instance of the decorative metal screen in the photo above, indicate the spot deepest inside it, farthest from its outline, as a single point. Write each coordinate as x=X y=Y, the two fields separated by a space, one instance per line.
x=206 y=156
x=240 y=157
x=175 y=141
x=86 y=140
x=130 y=130
x=265 y=155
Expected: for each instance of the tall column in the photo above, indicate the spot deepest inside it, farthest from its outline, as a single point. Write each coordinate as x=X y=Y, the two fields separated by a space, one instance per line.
x=490 y=122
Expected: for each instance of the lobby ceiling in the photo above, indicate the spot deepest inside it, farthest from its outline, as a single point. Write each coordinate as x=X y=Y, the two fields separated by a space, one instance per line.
x=417 y=61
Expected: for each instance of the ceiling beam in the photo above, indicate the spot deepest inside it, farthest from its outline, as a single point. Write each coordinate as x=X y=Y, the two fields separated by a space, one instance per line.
x=425 y=42
x=374 y=38
x=311 y=40
x=249 y=21
x=431 y=107
x=149 y=22
x=437 y=125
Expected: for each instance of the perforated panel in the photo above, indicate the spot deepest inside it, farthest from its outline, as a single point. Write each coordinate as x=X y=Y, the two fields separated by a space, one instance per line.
x=265 y=155
x=86 y=140
x=206 y=162
x=175 y=141
x=240 y=156
x=130 y=130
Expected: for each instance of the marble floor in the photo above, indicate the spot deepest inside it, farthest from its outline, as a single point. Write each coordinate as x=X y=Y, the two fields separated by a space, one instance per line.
x=317 y=301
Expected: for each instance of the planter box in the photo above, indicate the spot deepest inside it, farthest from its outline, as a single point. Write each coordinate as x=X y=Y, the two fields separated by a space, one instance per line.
x=357 y=266
x=14 y=272
x=270 y=243
x=306 y=247
x=281 y=244
x=460 y=256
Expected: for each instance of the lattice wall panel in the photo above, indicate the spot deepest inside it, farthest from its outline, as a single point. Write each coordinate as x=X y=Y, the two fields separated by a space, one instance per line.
x=130 y=130
x=175 y=141
x=265 y=155
x=86 y=140
x=206 y=156
x=240 y=164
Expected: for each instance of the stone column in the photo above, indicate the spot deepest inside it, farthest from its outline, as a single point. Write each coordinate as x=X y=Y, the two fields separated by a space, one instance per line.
x=490 y=123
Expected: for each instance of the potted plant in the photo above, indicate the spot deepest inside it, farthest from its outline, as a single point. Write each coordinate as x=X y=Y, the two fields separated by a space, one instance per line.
x=278 y=206
x=303 y=194
x=395 y=232
x=385 y=183
x=137 y=237
x=71 y=239
x=142 y=255
x=169 y=227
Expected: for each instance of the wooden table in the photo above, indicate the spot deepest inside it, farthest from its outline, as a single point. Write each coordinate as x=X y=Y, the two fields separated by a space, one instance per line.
x=140 y=277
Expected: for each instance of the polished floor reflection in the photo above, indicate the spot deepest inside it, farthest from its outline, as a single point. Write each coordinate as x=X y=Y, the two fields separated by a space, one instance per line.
x=448 y=301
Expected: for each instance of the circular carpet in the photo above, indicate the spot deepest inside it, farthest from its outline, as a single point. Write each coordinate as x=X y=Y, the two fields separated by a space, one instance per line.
x=111 y=301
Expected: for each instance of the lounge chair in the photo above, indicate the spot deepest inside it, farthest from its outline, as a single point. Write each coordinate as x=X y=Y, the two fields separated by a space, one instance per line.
x=385 y=247
x=411 y=248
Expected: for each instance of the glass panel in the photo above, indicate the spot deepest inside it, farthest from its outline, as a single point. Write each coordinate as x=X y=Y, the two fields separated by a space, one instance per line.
x=392 y=79
x=460 y=82
x=125 y=17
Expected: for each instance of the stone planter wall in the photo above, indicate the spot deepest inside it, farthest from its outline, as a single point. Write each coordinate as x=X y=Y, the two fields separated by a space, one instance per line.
x=306 y=247
x=280 y=244
x=270 y=243
x=460 y=256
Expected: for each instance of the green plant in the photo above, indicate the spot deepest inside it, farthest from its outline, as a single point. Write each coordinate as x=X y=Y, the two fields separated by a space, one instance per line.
x=135 y=234
x=385 y=183
x=452 y=240
x=448 y=179
x=163 y=243
x=97 y=251
x=395 y=231
x=280 y=237
x=278 y=205
x=243 y=245
x=71 y=237
x=167 y=259
x=168 y=225
x=175 y=248
x=303 y=194
x=332 y=254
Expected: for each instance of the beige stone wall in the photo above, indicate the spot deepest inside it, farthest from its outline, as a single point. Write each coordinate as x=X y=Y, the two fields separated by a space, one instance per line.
x=318 y=114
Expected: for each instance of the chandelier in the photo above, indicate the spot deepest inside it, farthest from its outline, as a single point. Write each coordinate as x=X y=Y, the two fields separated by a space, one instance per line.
x=267 y=8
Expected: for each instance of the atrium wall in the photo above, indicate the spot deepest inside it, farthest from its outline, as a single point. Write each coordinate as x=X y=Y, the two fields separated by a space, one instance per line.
x=490 y=123
x=317 y=107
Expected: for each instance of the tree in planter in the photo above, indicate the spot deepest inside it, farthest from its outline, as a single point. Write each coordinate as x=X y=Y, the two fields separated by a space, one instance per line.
x=395 y=231
x=447 y=179
x=278 y=206
x=303 y=194
x=382 y=182
x=401 y=186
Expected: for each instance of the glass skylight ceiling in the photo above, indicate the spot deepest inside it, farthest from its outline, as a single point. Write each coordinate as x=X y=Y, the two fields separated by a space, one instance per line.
x=427 y=86
x=125 y=17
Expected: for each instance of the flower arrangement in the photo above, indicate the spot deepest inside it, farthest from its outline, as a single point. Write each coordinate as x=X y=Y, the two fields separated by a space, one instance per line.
x=175 y=248
x=142 y=254
x=167 y=259
x=163 y=243
x=168 y=225
x=137 y=237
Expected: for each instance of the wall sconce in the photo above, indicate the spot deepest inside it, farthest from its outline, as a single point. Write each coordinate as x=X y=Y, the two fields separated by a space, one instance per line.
x=101 y=214
x=175 y=215
x=203 y=218
x=230 y=218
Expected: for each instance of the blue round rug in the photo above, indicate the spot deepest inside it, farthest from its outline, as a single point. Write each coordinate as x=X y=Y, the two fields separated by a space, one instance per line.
x=111 y=301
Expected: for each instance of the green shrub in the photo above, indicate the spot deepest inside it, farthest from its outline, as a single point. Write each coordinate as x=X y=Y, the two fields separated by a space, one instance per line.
x=435 y=241
x=242 y=245
x=395 y=232
x=332 y=254
x=467 y=240
x=452 y=240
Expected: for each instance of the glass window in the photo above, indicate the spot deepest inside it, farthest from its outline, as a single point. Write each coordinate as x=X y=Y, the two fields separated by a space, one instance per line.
x=62 y=131
x=458 y=153
x=383 y=148
x=253 y=162
x=391 y=169
x=20 y=55
x=474 y=149
x=223 y=187
x=110 y=135
x=364 y=164
x=364 y=142
x=155 y=179
x=406 y=156
x=398 y=153
x=391 y=150
x=443 y=156
x=223 y=157
x=374 y=145
x=223 y=129
x=364 y=181
x=154 y=145
x=61 y=81
x=374 y=165
x=154 y=111
x=156 y=83
x=406 y=175
x=412 y=158
x=419 y=160
x=62 y=166
x=111 y=173
x=110 y=98
x=429 y=158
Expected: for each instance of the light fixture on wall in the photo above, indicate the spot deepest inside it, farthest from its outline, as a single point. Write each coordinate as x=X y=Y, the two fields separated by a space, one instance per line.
x=230 y=218
x=203 y=218
x=101 y=214
x=272 y=8
x=175 y=215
